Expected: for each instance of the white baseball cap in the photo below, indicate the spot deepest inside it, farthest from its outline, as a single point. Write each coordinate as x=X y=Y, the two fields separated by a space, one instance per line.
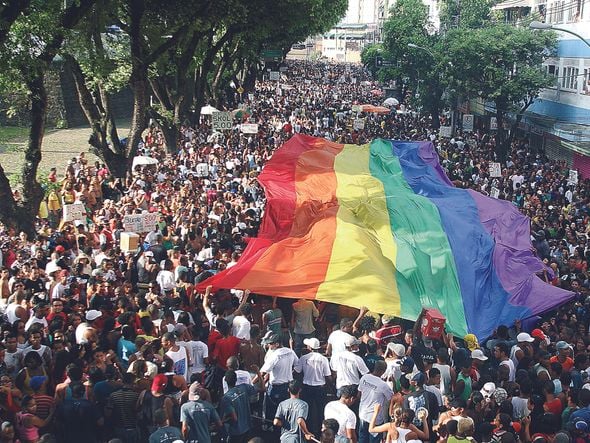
x=524 y=336
x=312 y=342
x=93 y=314
x=478 y=355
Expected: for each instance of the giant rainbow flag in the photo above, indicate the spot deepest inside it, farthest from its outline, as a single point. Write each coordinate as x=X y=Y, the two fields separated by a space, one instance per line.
x=381 y=226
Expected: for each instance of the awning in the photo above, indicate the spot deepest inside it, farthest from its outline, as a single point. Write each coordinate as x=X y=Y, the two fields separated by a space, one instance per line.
x=510 y=4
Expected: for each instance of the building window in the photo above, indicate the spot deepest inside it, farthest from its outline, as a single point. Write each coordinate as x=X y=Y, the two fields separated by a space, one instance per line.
x=570 y=78
x=556 y=11
x=586 y=82
x=553 y=70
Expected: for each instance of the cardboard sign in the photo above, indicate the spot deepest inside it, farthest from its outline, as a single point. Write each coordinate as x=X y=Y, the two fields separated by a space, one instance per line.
x=468 y=122
x=202 y=170
x=573 y=177
x=358 y=124
x=249 y=128
x=495 y=192
x=74 y=211
x=445 y=131
x=140 y=222
x=221 y=121
x=493 y=123
x=495 y=170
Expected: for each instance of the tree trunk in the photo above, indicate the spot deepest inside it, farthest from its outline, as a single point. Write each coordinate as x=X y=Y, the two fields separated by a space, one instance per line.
x=501 y=146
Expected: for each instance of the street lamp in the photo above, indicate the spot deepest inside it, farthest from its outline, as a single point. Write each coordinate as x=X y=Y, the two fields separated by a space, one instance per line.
x=413 y=46
x=546 y=26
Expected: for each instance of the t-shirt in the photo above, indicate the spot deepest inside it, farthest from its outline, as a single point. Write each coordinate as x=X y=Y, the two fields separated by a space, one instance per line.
x=198 y=352
x=224 y=348
x=305 y=311
x=198 y=415
x=241 y=327
x=373 y=391
x=237 y=400
x=315 y=368
x=342 y=414
x=289 y=412
x=349 y=368
x=180 y=361
x=279 y=366
x=242 y=378
x=337 y=340
x=166 y=434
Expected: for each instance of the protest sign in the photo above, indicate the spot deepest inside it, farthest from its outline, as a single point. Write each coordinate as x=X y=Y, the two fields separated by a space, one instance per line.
x=221 y=121
x=249 y=128
x=74 y=211
x=495 y=170
x=140 y=222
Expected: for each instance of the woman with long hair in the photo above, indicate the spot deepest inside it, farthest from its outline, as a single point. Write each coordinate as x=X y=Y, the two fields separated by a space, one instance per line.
x=401 y=430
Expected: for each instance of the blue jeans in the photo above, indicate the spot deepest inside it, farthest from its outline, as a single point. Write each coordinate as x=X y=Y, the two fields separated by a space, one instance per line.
x=365 y=436
x=274 y=395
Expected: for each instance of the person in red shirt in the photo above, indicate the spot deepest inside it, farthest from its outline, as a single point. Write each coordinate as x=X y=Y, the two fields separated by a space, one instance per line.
x=563 y=356
x=57 y=306
x=225 y=347
x=552 y=403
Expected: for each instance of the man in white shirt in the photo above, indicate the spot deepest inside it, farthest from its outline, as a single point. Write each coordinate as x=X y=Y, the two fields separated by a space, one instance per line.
x=348 y=366
x=240 y=324
x=198 y=352
x=340 y=411
x=337 y=339
x=316 y=372
x=279 y=367
x=304 y=313
x=242 y=377
x=373 y=391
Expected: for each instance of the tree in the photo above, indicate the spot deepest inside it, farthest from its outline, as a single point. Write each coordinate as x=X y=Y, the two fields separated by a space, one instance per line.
x=30 y=43
x=418 y=54
x=502 y=64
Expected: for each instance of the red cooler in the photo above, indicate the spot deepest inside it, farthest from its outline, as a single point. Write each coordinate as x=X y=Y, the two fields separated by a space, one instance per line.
x=433 y=323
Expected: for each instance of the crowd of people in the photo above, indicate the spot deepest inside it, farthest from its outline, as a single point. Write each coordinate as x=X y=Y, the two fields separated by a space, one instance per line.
x=104 y=343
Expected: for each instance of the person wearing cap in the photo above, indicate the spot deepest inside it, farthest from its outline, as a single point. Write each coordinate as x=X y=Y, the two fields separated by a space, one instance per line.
x=522 y=348
x=421 y=398
x=389 y=331
x=277 y=371
x=196 y=416
x=477 y=360
x=394 y=353
x=540 y=337
x=151 y=400
x=85 y=331
x=40 y=312
x=349 y=367
x=373 y=391
x=316 y=373
x=563 y=356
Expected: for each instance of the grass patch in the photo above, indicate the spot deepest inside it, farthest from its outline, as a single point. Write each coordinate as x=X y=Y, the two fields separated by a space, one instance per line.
x=13 y=138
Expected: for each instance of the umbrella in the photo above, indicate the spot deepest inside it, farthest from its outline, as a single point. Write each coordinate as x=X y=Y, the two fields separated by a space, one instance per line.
x=208 y=110
x=377 y=92
x=143 y=160
x=375 y=109
x=391 y=102
x=241 y=113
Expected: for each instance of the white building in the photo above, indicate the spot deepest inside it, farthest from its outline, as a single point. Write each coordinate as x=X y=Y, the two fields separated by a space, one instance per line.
x=560 y=117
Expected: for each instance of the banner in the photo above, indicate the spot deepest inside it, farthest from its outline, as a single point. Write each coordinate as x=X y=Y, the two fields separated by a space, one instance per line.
x=493 y=123
x=221 y=121
x=358 y=124
x=495 y=170
x=74 y=211
x=445 y=131
x=249 y=128
x=140 y=222
x=468 y=122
